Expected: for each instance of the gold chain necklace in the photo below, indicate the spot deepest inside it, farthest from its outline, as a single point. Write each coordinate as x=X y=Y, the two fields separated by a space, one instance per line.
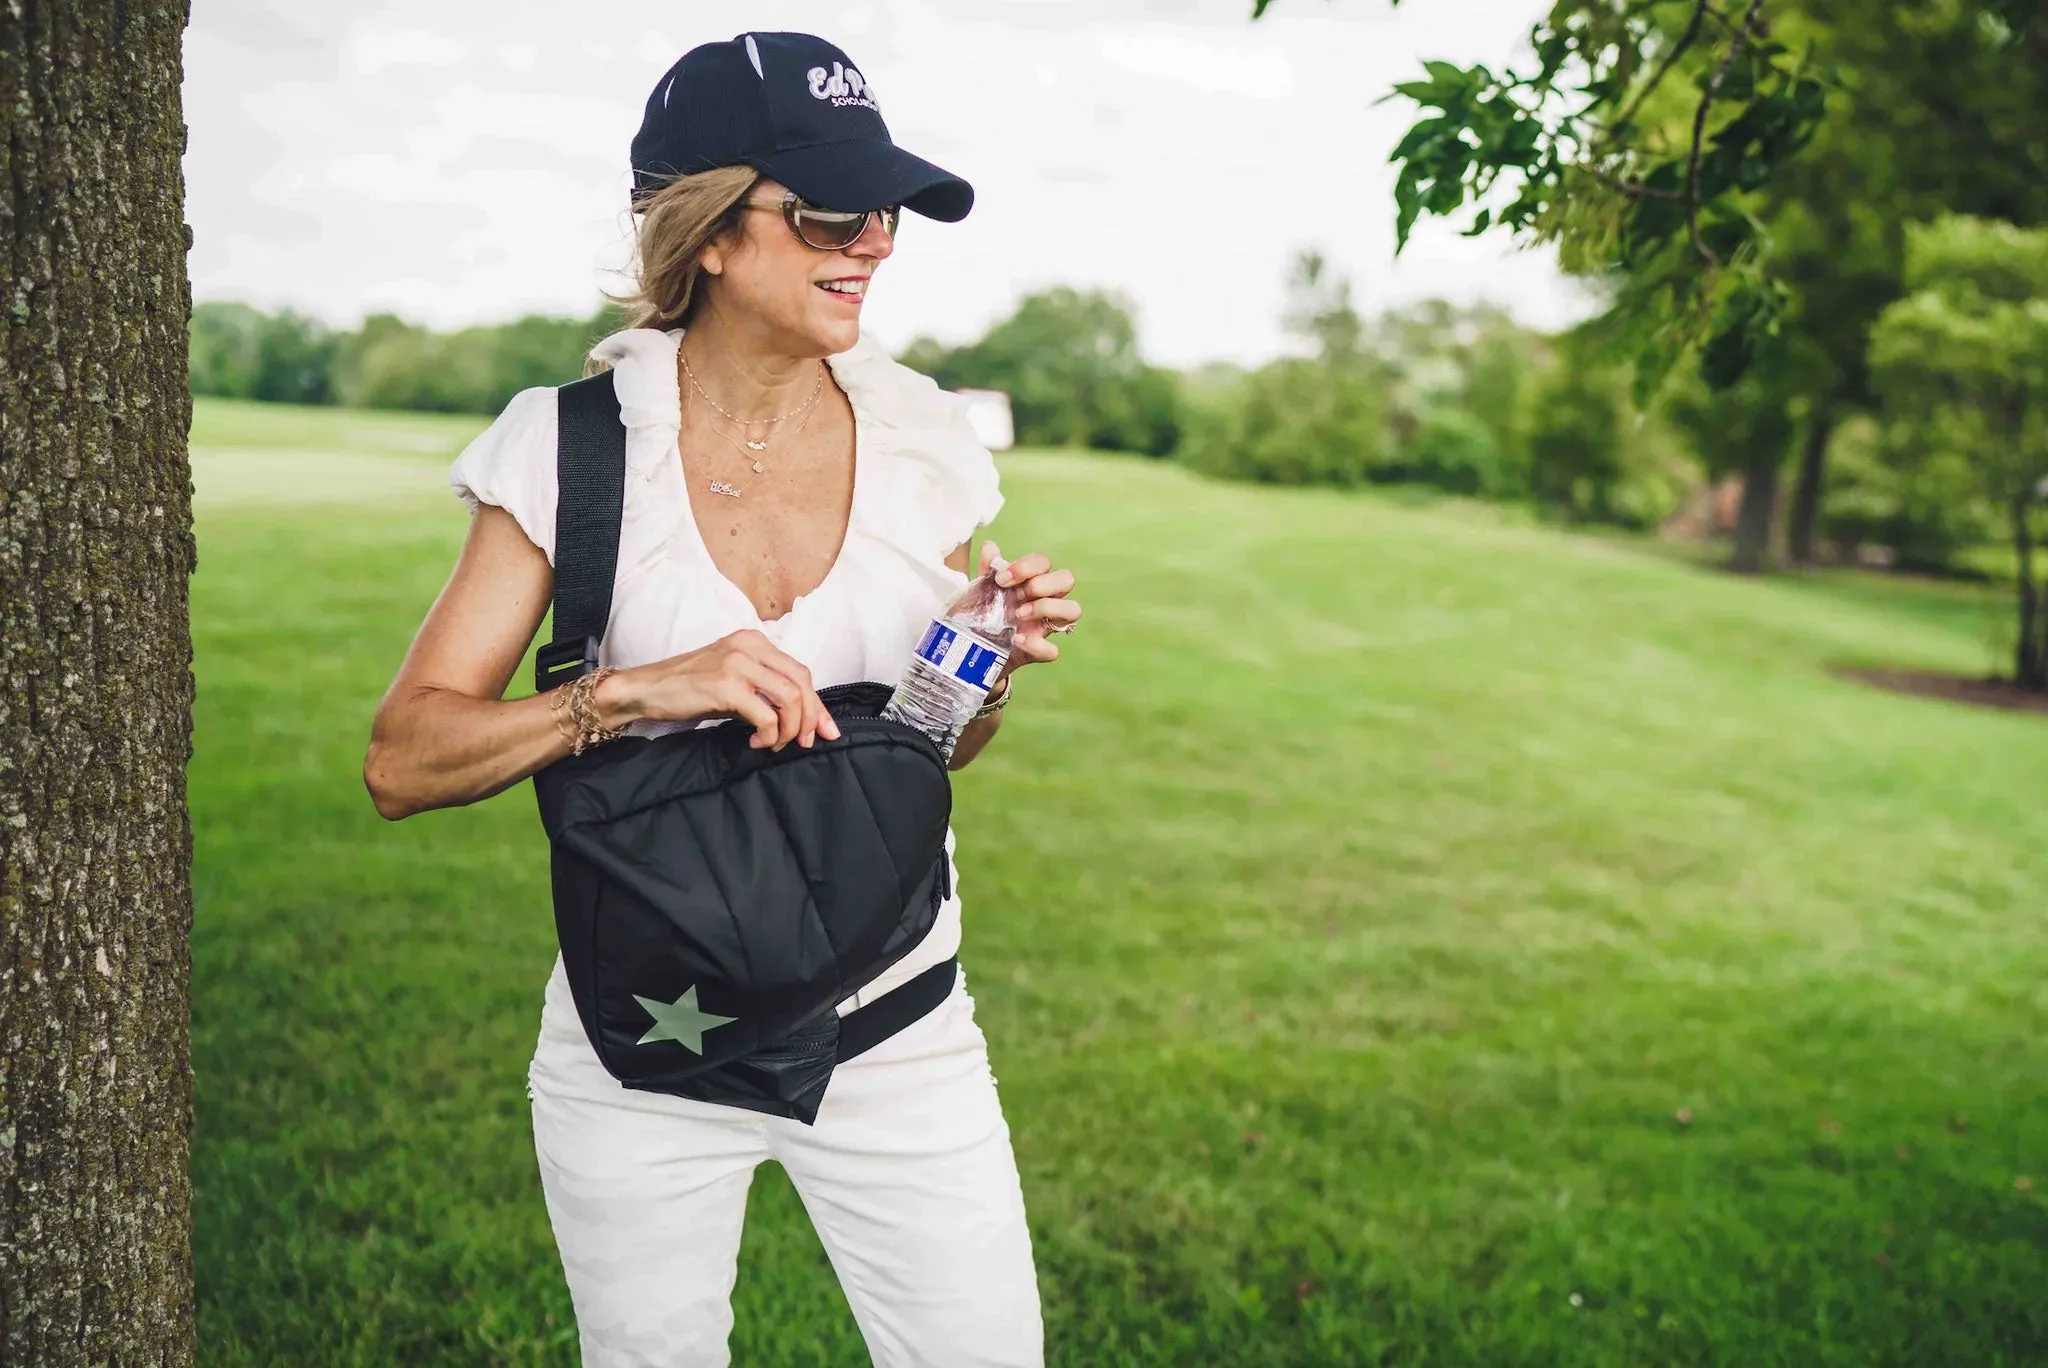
x=745 y=424
x=718 y=486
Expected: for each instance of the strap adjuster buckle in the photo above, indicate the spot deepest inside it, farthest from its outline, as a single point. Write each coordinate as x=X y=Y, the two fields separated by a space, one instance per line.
x=558 y=662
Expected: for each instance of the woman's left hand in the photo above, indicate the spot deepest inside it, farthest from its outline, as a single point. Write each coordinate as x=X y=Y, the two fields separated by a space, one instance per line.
x=1045 y=604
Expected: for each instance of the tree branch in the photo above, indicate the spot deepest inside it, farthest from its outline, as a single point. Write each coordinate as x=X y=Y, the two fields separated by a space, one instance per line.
x=1743 y=34
x=1692 y=31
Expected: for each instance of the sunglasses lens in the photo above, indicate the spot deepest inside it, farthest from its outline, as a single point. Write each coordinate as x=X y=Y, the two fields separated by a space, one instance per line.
x=828 y=230
x=892 y=216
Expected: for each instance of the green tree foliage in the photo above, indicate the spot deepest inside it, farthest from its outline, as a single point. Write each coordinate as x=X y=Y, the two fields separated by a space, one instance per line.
x=1463 y=387
x=242 y=353
x=1963 y=360
x=1742 y=174
x=1923 y=507
x=1302 y=420
x=223 y=355
x=1297 y=420
x=388 y=363
x=1594 y=456
x=1070 y=363
x=1635 y=140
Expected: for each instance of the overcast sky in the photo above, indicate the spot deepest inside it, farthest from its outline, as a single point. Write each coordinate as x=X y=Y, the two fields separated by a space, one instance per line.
x=459 y=161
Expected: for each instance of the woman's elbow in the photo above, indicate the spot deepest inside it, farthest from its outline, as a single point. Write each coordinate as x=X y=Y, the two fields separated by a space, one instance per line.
x=391 y=798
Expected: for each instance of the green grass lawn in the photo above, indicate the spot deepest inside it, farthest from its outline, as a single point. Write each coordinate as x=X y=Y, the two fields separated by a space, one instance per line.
x=1404 y=936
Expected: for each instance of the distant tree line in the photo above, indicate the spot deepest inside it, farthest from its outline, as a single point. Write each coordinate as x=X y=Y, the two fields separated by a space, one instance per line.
x=1459 y=399
x=239 y=352
x=1069 y=361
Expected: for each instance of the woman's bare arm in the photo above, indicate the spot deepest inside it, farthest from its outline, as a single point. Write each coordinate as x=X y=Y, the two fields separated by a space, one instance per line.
x=445 y=734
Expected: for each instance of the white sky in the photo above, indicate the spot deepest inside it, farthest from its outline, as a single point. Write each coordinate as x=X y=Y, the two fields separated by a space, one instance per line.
x=459 y=161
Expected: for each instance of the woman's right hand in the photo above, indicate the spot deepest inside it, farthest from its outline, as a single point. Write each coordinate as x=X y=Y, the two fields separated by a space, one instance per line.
x=743 y=675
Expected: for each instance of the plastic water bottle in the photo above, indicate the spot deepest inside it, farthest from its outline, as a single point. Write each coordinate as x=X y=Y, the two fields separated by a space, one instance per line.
x=958 y=662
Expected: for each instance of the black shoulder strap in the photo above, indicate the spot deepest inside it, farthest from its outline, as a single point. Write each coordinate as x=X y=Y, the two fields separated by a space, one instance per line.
x=590 y=499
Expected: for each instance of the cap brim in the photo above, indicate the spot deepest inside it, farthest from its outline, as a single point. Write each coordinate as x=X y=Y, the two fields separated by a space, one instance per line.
x=854 y=176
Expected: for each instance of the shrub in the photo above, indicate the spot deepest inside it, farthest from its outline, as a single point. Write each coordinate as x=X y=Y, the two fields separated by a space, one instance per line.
x=1294 y=421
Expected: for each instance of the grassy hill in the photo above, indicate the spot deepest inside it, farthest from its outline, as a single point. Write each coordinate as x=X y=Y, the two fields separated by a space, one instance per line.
x=1405 y=936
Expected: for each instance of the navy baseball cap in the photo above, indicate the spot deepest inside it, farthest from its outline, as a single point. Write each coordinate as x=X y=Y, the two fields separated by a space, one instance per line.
x=796 y=109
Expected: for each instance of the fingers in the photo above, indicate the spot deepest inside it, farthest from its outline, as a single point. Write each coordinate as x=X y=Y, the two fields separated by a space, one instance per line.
x=739 y=698
x=1028 y=650
x=1023 y=568
x=990 y=554
x=1050 y=613
x=812 y=718
x=784 y=682
x=785 y=712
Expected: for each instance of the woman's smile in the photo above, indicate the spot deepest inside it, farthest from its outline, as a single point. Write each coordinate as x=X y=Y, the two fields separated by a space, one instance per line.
x=852 y=289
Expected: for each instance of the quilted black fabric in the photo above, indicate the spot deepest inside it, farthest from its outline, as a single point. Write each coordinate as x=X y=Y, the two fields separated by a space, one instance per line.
x=765 y=886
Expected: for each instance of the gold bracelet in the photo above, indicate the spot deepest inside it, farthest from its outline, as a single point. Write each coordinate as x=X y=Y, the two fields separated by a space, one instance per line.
x=590 y=729
x=1002 y=701
x=556 y=706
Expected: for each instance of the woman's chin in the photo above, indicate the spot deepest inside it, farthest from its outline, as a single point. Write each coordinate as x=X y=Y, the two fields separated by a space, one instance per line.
x=837 y=335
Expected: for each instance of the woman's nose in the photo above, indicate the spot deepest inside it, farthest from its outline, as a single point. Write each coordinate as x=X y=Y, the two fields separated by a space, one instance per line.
x=874 y=242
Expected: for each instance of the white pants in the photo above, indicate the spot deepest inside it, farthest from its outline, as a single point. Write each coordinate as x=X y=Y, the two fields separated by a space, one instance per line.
x=907 y=1175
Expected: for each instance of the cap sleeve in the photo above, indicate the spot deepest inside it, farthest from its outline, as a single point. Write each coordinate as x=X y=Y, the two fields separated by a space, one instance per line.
x=939 y=481
x=969 y=494
x=511 y=464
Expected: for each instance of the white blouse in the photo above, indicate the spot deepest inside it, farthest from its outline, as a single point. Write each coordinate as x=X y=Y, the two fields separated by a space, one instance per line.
x=922 y=484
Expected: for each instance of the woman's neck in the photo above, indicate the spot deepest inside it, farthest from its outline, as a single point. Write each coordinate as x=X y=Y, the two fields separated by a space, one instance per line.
x=742 y=374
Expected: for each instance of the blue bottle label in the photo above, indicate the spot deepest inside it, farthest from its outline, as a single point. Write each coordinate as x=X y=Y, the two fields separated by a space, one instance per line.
x=962 y=655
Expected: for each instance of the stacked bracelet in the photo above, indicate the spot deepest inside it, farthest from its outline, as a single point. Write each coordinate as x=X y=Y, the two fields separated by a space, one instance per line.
x=578 y=697
x=996 y=702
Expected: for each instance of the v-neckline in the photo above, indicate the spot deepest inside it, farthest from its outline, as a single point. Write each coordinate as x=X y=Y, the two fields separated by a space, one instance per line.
x=845 y=537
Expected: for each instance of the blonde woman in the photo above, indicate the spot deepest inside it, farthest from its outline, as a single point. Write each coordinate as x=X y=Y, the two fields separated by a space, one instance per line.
x=797 y=506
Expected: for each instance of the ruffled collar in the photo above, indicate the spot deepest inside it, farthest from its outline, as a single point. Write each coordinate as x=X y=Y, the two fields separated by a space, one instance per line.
x=886 y=395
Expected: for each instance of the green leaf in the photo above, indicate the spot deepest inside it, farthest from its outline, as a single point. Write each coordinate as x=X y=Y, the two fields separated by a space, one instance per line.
x=1419 y=138
x=1422 y=92
x=1408 y=201
x=1480 y=223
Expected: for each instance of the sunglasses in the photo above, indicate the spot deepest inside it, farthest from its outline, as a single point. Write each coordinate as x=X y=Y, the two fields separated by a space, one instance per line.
x=827 y=230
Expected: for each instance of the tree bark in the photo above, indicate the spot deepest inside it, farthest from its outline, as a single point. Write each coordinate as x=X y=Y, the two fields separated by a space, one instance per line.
x=96 y=694
x=1806 y=494
x=1753 y=517
x=2030 y=664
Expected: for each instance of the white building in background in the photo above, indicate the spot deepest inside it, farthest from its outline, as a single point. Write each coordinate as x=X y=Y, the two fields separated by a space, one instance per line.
x=989 y=411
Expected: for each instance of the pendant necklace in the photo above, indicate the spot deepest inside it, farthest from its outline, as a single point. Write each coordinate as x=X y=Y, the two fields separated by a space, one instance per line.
x=718 y=486
x=745 y=425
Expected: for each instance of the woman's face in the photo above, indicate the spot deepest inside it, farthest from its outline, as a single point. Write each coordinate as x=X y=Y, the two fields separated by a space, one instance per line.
x=805 y=301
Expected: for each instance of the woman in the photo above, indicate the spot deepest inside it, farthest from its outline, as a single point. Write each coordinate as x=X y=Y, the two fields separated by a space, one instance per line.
x=797 y=507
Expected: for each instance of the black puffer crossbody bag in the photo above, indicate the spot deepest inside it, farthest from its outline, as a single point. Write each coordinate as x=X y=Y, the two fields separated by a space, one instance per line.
x=715 y=902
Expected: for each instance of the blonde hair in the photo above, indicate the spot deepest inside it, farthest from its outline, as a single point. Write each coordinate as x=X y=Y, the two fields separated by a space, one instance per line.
x=676 y=224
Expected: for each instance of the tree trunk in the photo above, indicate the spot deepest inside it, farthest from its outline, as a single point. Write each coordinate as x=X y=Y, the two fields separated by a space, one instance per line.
x=2030 y=665
x=95 y=688
x=1806 y=495
x=1753 y=518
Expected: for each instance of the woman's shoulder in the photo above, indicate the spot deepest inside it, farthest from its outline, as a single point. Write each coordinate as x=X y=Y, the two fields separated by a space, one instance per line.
x=941 y=482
